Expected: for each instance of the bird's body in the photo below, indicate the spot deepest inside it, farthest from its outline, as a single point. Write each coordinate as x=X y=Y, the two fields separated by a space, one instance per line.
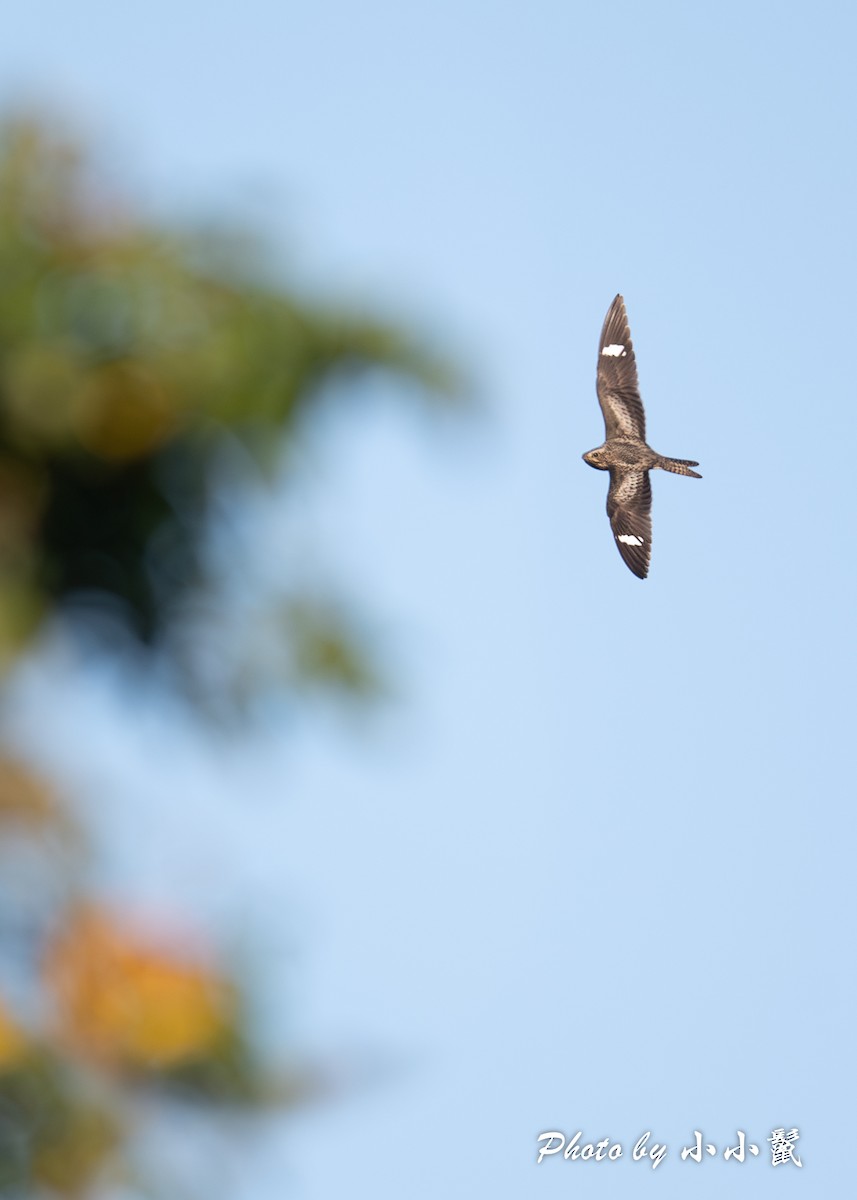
x=625 y=452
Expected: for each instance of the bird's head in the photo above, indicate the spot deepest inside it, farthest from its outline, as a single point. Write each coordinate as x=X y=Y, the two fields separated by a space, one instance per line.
x=594 y=458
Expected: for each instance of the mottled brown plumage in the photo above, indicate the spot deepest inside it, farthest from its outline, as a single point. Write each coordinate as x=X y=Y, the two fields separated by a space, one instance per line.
x=625 y=452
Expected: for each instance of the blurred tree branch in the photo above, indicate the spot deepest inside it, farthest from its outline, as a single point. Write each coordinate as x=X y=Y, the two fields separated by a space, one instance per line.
x=129 y=357
x=133 y=361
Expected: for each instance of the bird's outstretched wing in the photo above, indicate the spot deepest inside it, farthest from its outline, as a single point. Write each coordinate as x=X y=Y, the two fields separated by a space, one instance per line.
x=629 y=507
x=616 y=383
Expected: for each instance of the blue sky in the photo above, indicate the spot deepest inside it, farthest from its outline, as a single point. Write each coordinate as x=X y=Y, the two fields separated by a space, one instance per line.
x=596 y=872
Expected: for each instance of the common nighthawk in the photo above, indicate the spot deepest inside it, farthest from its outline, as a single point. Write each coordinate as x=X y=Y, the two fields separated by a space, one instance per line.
x=624 y=452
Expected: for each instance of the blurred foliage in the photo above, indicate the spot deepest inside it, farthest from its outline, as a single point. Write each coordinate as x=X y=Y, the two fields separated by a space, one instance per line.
x=25 y=800
x=56 y=1133
x=137 y=367
x=122 y=1011
x=131 y=359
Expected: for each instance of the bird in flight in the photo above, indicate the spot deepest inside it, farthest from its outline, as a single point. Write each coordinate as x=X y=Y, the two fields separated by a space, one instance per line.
x=624 y=452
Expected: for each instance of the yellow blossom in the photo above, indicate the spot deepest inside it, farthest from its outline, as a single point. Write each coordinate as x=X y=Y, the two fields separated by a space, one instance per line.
x=123 y=1002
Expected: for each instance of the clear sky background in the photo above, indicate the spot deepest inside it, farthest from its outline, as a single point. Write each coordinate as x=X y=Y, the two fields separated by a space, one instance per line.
x=596 y=872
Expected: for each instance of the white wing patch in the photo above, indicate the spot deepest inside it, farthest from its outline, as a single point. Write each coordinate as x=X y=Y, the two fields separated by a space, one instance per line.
x=629 y=539
x=614 y=351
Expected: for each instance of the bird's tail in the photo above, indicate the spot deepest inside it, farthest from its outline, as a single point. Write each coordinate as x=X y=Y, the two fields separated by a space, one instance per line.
x=680 y=466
